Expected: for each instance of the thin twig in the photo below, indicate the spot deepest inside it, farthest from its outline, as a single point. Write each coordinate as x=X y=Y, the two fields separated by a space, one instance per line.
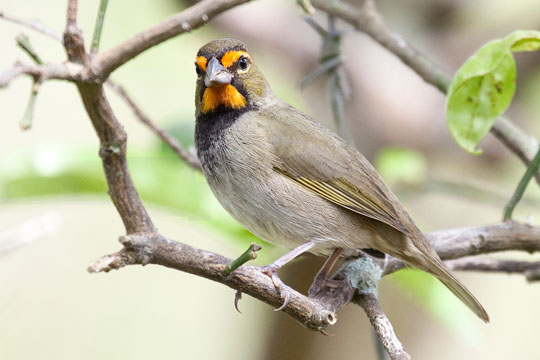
x=94 y=47
x=143 y=244
x=167 y=138
x=34 y=25
x=518 y=193
x=249 y=254
x=72 y=13
x=473 y=263
x=185 y=21
x=26 y=121
x=24 y=43
x=523 y=145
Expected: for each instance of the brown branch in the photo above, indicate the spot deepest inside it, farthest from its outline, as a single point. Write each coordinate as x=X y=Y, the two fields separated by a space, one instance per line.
x=167 y=138
x=185 y=21
x=459 y=243
x=367 y=20
x=155 y=249
x=470 y=263
x=382 y=326
x=113 y=139
x=102 y=64
x=73 y=38
x=72 y=13
x=67 y=71
x=144 y=245
x=152 y=248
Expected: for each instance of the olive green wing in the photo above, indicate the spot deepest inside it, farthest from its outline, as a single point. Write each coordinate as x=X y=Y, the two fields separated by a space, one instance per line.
x=345 y=194
x=318 y=160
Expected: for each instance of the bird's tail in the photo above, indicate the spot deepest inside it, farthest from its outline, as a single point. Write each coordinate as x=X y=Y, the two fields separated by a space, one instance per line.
x=455 y=286
x=429 y=261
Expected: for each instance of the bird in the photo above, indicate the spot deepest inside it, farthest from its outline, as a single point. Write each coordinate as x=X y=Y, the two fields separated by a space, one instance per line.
x=292 y=182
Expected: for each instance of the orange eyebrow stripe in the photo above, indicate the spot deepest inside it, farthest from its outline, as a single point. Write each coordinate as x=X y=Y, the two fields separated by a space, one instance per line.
x=201 y=62
x=232 y=56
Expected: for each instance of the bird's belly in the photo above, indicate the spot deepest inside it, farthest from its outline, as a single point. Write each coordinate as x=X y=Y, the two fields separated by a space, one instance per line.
x=282 y=212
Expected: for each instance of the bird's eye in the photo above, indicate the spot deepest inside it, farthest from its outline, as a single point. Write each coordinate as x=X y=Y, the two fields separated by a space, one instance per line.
x=198 y=71
x=243 y=63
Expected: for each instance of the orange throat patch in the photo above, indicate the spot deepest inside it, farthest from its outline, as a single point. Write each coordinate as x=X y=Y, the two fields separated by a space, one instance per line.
x=225 y=95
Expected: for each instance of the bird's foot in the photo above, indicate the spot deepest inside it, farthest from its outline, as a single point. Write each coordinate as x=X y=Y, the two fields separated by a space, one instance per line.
x=335 y=291
x=285 y=291
x=321 y=287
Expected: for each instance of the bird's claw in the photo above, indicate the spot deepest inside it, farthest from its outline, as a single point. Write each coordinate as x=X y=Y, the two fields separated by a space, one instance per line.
x=237 y=298
x=271 y=271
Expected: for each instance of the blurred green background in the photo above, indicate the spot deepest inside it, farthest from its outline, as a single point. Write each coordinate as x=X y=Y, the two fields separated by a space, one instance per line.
x=55 y=215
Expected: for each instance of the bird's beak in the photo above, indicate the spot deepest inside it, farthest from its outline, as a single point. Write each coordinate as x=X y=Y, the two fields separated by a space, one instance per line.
x=216 y=74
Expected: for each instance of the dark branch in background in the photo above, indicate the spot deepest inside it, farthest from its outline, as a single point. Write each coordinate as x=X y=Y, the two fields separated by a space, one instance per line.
x=368 y=20
x=330 y=61
x=143 y=245
x=529 y=268
x=464 y=242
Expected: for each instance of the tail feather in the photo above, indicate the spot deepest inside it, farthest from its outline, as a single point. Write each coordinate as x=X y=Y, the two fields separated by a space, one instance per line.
x=422 y=256
x=455 y=286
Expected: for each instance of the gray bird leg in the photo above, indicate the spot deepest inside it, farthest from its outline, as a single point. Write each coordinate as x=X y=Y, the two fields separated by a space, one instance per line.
x=271 y=270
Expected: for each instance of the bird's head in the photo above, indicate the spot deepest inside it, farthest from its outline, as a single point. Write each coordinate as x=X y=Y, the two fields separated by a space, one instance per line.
x=227 y=79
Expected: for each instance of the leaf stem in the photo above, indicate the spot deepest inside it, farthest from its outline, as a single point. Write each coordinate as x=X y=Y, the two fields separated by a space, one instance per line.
x=249 y=254
x=516 y=197
x=96 y=37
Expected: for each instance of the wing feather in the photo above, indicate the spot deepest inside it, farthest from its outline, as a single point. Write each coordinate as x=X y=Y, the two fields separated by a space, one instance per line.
x=320 y=161
x=334 y=192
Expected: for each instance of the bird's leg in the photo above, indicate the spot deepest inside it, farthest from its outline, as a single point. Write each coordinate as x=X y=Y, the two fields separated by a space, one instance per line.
x=322 y=276
x=271 y=270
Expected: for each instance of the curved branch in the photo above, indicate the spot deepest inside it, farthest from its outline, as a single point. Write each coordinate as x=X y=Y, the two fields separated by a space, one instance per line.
x=152 y=248
x=185 y=21
x=144 y=245
x=459 y=243
x=367 y=20
x=186 y=155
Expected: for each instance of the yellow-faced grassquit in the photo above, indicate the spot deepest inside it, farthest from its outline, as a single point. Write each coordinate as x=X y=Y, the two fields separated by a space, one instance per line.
x=292 y=182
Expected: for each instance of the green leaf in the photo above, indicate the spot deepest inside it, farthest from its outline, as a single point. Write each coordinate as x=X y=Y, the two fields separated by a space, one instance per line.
x=524 y=40
x=483 y=88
